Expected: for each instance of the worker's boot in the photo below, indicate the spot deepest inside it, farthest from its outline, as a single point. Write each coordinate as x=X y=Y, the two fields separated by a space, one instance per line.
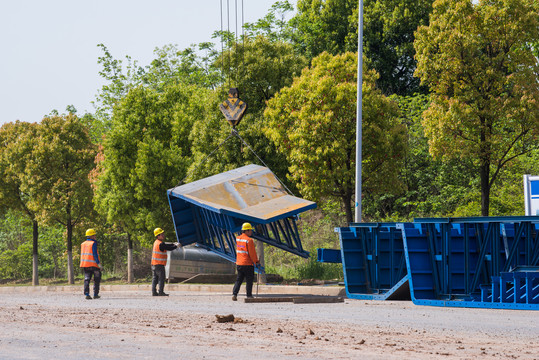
x=88 y=297
x=162 y=294
x=234 y=298
x=97 y=297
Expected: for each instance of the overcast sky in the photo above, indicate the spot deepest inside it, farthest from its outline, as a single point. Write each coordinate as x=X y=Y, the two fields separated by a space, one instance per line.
x=48 y=49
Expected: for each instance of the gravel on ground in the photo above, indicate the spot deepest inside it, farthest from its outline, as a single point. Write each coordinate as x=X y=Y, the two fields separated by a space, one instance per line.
x=135 y=325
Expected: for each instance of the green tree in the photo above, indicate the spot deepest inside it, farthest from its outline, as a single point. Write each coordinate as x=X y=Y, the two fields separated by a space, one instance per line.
x=388 y=35
x=57 y=175
x=120 y=78
x=314 y=123
x=52 y=249
x=273 y=25
x=15 y=246
x=477 y=61
x=17 y=142
x=259 y=68
x=324 y=25
x=146 y=152
x=191 y=66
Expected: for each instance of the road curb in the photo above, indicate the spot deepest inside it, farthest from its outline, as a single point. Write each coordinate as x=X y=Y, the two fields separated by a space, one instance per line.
x=212 y=288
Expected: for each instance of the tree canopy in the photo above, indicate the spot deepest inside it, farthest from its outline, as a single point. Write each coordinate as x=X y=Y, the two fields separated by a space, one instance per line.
x=314 y=121
x=146 y=152
x=57 y=174
x=478 y=63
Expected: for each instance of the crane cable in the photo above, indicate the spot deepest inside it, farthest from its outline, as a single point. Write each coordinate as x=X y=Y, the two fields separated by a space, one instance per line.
x=232 y=134
x=227 y=39
x=234 y=131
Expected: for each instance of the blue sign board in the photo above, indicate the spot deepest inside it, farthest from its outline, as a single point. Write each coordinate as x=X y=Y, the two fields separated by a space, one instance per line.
x=531 y=195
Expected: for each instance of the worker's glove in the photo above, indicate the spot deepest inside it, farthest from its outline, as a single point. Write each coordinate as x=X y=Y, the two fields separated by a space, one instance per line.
x=178 y=245
x=260 y=268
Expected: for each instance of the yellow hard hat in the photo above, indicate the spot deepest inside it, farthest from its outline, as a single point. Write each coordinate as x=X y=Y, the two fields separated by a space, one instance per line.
x=246 y=226
x=90 y=232
x=158 y=231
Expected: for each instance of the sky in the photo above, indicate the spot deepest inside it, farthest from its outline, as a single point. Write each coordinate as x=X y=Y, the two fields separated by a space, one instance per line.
x=49 y=52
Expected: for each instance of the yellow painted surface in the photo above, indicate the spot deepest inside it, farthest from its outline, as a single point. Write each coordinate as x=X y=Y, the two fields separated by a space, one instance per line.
x=257 y=193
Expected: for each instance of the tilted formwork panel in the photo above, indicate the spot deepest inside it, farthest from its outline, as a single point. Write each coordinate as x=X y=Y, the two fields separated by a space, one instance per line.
x=210 y=211
x=489 y=262
x=373 y=261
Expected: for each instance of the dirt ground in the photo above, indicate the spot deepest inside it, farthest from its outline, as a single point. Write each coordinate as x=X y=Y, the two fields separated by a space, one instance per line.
x=132 y=324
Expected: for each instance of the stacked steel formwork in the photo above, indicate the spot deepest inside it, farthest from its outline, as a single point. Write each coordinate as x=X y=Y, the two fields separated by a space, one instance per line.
x=374 y=264
x=462 y=262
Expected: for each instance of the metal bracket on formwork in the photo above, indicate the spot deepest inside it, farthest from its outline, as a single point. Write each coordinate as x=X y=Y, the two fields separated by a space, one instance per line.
x=210 y=211
x=233 y=108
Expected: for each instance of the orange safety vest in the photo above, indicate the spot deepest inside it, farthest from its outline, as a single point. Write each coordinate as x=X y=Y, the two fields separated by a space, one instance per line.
x=158 y=257
x=87 y=255
x=245 y=251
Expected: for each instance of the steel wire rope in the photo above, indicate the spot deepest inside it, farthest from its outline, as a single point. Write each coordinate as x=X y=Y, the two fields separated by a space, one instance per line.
x=235 y=132
x=203 y=160
x=236 y=36
x=243 y=39
x=221 y=36
x=228 y=38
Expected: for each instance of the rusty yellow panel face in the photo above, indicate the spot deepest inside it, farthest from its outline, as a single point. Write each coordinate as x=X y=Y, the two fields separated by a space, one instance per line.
x=252 y=190
x=218 y=194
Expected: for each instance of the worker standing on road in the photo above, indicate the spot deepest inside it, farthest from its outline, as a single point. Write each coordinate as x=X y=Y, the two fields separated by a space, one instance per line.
x=246 y=259
x=89 y=262
x=159 y=260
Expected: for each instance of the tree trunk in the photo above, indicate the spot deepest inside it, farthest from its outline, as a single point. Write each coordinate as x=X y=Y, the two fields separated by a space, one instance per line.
x=347 y=200
x=484 y=172
x=70 y=270
x=130 y=275
x=35 y=273
x=485 y=190
x=260 y=254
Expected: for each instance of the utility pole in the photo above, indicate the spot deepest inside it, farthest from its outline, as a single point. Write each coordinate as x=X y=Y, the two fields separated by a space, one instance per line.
x=359 y=125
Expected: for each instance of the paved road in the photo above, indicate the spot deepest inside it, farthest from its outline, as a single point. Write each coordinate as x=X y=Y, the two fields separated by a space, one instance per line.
x=131 y=324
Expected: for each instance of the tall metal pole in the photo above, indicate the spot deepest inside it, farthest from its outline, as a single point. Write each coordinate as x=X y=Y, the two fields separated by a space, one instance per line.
x=359 y=115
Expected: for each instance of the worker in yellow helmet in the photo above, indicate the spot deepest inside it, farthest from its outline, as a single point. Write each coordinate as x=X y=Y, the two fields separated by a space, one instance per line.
x=89 y=262
x=246 y=259
x=159 y=260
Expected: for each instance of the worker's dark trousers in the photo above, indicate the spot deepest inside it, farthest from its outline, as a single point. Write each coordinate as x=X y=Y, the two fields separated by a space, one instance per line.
x=158 y=272
x=246 y=272
x=88 y=273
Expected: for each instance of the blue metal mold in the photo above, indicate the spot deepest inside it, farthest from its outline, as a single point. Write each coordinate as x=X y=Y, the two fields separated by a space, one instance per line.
x=329 y=256
x=373 y=261
x=210 y=211
x=489 y=262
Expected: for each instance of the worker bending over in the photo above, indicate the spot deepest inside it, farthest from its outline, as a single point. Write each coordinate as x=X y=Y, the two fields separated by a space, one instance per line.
x=246 y=259
x=159 y=261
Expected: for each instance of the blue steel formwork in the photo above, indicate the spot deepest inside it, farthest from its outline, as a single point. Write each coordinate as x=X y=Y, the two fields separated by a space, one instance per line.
x=489 y=262
x=210 y=211
x=373 y=261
